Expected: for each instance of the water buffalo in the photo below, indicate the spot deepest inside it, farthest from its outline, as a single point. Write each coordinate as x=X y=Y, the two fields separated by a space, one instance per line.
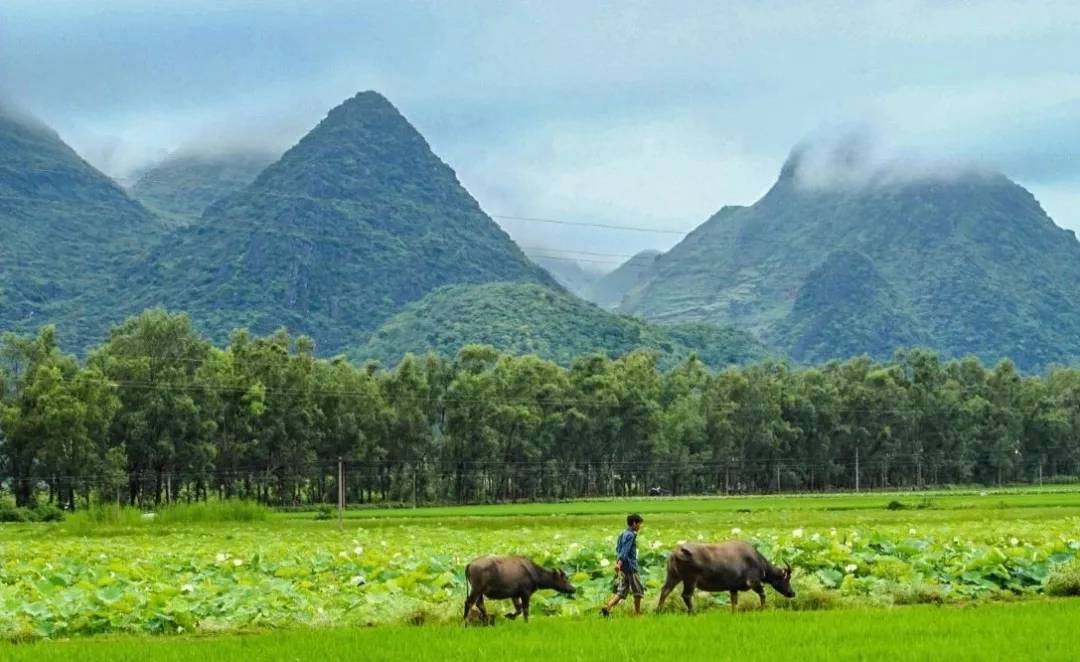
x=731 y=566
x=509 y=577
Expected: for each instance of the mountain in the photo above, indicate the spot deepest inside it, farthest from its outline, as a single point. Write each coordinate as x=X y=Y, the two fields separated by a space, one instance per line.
x=848 y=256
x=65 y=230
x=180 y=188
x=610 y=289
x=525 y=318
x=566 y=272
x=845 y=308
x=356 y=220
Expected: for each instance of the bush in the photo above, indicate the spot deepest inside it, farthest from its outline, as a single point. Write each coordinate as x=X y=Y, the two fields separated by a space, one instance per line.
x=895 y=505
x=47 y=512
x=1065 y=580
x=324 y=513
x=9 y=513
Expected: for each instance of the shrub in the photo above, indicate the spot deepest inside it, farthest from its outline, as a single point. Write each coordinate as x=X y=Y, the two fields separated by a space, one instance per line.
x=324 y=513
x=895 y=505
x=47 y=512
x=1065 y=580
x=9 y=513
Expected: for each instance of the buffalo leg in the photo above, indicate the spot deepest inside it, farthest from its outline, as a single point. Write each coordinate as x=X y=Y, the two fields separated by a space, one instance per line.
x=470 y=600
x=760 y=590
x=517 y=609
x=669 y=585
x=483 y=611
x=688 y=595
x=734 y=600
x=525 y=607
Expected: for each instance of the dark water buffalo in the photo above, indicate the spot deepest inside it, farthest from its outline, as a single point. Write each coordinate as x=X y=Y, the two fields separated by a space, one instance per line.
x=731 y=566
x=509 y=578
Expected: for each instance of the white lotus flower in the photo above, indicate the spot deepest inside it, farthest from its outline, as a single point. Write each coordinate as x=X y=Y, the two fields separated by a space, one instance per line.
x=357 y=580
x=680 y=542
x=179 y=629
x=604 y=563
x=832 y=532
x=700 y=537
x=237 y=563
x=343 y=554
x=655 y=544
x=187 y=588
x=816 y=537
x=911 y=532
x=797 y=533
x=1014 y=541
x=850 y=568
x=735 y=531
x=358 y=550
x=221 y=557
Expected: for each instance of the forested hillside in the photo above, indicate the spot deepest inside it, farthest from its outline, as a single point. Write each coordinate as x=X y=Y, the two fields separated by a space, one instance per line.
x=355 y=221
x=523 y=318
x=181 y=187
x=159 y=412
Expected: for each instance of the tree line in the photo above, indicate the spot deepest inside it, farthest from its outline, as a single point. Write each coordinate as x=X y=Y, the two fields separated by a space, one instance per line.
x=156 y=413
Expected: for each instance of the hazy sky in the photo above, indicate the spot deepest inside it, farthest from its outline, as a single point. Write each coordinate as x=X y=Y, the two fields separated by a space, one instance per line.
x=630 y=113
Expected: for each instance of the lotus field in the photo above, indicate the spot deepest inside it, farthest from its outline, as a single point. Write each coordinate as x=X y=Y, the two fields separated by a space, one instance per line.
x=289 y=570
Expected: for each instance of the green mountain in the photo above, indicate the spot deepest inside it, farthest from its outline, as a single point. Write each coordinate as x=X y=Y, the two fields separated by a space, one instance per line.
x=845 y=308
x=524 y=318
x=609 y=290
x=65 y=231
x=180 y=188
x=355 y=221
x=566 y=272
x=965 y=262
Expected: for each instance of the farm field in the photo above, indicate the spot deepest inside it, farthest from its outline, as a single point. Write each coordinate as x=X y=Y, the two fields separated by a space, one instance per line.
x=852 y=555
x=1042 y=630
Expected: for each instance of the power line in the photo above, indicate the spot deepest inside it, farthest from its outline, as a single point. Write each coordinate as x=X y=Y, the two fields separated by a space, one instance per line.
x=607 y=226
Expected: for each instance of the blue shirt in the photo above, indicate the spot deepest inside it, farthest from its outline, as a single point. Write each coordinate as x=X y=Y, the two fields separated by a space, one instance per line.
x=626 y=551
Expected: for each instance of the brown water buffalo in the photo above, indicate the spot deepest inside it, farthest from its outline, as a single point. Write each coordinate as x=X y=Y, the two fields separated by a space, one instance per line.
x=731 y=566
x=509 y=578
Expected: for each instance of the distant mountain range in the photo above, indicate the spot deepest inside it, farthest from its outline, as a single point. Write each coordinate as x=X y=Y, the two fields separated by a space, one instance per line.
x=965 y=262
x=334 y=239
x=610 y=289
x=360 y=237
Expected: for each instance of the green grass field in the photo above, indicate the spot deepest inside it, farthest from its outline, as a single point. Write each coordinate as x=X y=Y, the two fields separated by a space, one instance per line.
x=1043 y=630
x=226 y=582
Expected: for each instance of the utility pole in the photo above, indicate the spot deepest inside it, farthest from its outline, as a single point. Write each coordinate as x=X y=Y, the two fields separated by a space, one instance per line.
x=777 y=478
x=341 y=493
x=856 y=468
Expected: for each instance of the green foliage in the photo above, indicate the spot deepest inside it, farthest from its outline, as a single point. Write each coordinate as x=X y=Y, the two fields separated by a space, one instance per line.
x=968 y=264
x=209 y=575
x=520 y=318
x=211 y=511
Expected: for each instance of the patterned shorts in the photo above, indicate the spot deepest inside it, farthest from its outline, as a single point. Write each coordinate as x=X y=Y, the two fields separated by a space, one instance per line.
x=629 y=583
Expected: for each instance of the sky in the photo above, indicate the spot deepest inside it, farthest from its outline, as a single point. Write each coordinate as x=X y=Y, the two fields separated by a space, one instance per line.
x=644 y=114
